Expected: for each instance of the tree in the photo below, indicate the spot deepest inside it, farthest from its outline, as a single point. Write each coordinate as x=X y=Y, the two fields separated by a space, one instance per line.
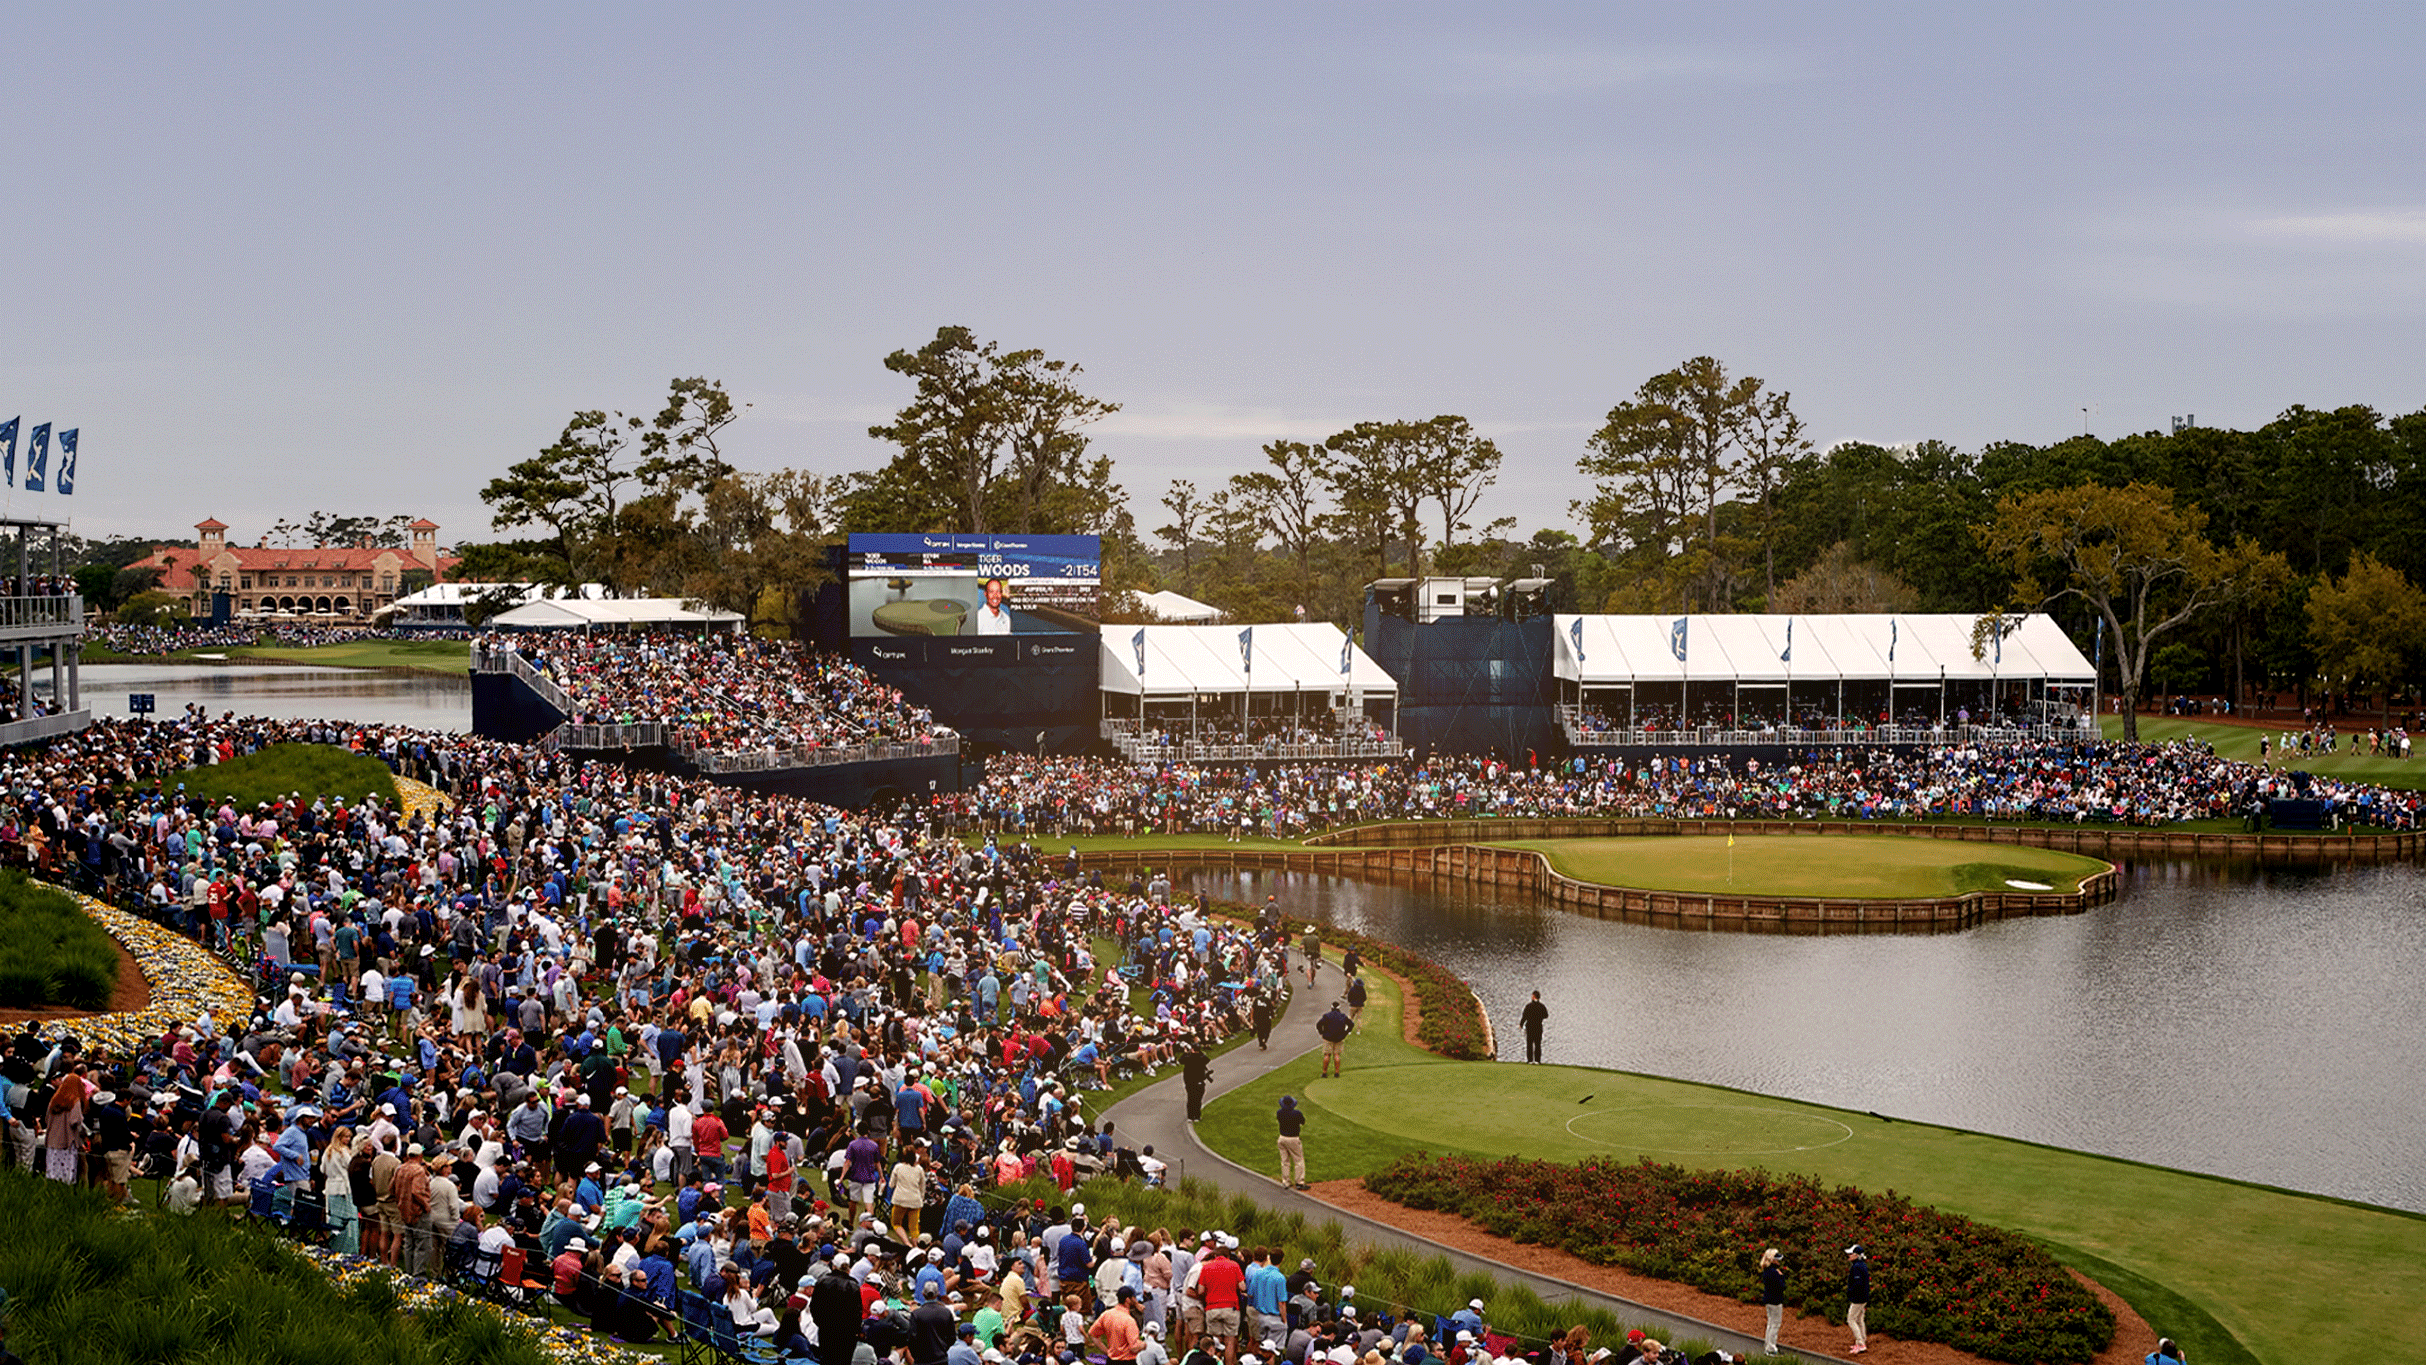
x=1773 y=443
x=1385 y=463
x=1666 y=457
x=680 y=450
x=987 y=439
x=1185 y=508
x=2368 y=628
x=1454 y=468
x=2139 y=561
x=1289 y=497
x=1838 y=583
x=572 y=489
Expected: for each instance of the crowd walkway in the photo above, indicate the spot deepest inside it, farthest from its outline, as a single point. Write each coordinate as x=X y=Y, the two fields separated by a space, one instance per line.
x=1158 y=1114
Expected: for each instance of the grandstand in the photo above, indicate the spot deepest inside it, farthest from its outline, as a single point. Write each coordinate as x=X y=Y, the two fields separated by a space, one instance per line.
x=1758 y=679
x=1295 y=691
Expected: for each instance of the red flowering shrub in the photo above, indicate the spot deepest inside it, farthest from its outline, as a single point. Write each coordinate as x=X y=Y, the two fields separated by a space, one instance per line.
x=1933 y=1276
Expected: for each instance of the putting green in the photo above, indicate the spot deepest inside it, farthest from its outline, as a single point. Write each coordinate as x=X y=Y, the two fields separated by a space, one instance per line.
x=1834 y=866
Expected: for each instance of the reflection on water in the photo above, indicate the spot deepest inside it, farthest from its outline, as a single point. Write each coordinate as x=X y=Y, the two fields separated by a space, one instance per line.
x=282 y=692
x=2263 y=1025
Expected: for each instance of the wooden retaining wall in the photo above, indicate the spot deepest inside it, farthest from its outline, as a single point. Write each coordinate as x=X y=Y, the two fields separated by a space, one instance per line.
x=2112 y=843
x=1527 y=873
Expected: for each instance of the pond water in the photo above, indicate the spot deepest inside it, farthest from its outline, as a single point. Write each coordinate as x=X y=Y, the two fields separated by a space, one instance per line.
x=2262 y=1025
x=282 y=692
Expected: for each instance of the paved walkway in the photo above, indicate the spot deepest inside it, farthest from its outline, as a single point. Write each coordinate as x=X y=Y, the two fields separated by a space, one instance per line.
x=1158 y=1115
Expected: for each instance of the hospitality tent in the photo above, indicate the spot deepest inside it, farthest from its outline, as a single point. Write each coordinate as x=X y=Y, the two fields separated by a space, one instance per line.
x=1177 y=609
x=1665 y=672
x=1187 y=675
x=619 y=613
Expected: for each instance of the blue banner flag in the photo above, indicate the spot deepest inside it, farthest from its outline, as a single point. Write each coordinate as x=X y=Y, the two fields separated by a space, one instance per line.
x=1786 y=656
x=1347 y=651
x=1575 y=630
x=2000 y=641
x=67 y=461
x=8 y=450
x=1676 y=638
x=1139 y=640
x=1246 y=650
x=1891 y=634
x=37 y=456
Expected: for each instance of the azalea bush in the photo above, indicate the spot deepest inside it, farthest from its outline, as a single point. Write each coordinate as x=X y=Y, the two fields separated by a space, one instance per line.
x=1933 y=1276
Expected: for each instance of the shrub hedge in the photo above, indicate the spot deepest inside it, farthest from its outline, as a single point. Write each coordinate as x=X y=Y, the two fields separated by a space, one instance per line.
x=1452 y=1019
x=89 y=1286
x=1933 y=1276
x=315 y=770
x=51 y=952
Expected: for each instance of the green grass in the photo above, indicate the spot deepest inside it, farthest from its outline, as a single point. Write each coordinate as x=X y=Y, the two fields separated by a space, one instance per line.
x=428 y=656
x=2289 y=1276
x=1809 y=865
x=1144 y=845
x=51 y=952
x=315 y=770
x=99 y=1288
x=2241 y=742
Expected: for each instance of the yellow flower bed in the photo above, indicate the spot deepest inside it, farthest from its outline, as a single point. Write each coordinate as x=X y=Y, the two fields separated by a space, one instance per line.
x=567 y=1345
x=420 y=798
x=186 y=980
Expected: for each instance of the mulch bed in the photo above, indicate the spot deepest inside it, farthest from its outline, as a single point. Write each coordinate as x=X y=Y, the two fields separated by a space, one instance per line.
x=2133 y=1338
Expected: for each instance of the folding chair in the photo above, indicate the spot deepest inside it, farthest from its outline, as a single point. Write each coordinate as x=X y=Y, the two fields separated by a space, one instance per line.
x=263 y=1202
x=696 y=1334
x=735 y=1345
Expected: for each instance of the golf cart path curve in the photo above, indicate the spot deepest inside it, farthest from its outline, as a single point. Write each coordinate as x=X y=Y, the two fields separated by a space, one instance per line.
x=1158 y=1115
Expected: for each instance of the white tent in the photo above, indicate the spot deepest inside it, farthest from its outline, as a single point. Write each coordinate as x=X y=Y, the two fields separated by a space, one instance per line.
x=620 y=613
x=1181 y=661
x=1904 y=647
x=1177 y=609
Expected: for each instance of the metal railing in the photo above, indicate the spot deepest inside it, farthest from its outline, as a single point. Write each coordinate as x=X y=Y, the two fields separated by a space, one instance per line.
x=646 y=734
x=1582 y=736
x=64 y=611
x=1141 y=748
x=720 y=762
x=511 y=661
x=44 y=727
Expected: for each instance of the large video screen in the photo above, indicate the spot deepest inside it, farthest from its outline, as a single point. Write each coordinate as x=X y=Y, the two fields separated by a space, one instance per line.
x=917 y=585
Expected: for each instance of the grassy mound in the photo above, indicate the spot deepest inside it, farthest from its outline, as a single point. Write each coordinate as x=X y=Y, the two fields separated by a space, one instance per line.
x=1848 y=866
x=315 y=770
x=428 y=656
x=51 y=952
x=98 y=1288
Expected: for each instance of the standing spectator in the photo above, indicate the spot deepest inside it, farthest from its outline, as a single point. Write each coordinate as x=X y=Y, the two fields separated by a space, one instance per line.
x=1356 y=1000
x=1773 y=1297
x=1536 y=1014
x=1292 y=1122
x=1334 y=1027
x=1195 y=1069
x=1857 y=1296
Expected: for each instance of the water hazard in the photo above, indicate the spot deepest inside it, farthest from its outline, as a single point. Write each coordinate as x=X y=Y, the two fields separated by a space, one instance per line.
x=2262 y=1025
x=282 y=692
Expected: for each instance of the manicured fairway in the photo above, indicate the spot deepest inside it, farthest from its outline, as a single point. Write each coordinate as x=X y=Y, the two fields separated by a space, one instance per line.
x=2241 y=742
x=430 y=656
x=1869 y=867
x=2292 y=1277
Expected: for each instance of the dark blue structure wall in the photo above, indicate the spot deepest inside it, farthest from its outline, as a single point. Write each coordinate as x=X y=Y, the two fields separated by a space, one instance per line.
x=504 y=707
x=1003 y=690
x=1469 y=684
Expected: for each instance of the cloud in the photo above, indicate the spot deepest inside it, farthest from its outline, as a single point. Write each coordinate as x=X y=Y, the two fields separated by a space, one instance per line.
x=2368 y=228
x=1572 y=71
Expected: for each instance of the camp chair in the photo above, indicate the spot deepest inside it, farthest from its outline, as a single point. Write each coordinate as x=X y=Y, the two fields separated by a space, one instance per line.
x=735 y=1345
x=695 y=1334
x=263 y=1202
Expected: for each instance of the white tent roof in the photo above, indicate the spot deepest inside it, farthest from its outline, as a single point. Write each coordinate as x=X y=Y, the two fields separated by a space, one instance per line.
x=559 y=613
x=1177 y=609
x=1289 y=657
x=1626 y=649
x=460 y=594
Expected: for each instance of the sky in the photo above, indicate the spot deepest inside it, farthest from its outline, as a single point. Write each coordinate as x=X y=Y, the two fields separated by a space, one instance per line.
x=361 y=258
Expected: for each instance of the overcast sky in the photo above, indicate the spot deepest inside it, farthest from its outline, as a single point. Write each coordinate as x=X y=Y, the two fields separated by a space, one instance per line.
x=360 y=258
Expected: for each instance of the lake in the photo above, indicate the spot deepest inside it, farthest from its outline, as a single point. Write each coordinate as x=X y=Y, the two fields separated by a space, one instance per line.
x=282 y=692
x=2262 y=1025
